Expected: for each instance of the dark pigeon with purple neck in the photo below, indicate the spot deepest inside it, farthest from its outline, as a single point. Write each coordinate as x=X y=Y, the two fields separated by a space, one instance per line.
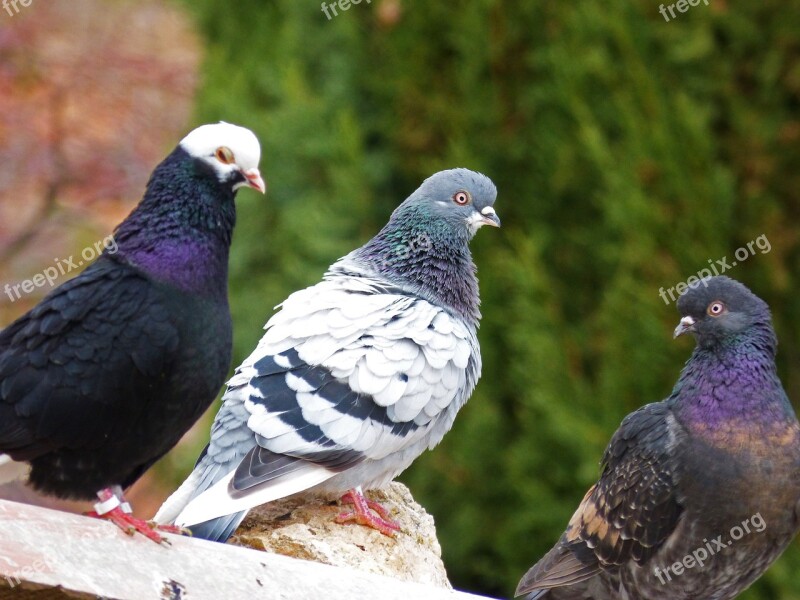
x=107 y=372
x=700 y=493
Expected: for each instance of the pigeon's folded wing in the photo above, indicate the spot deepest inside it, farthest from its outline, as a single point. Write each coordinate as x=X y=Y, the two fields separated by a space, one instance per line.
x=81 y=359
x=628 y=514
x=363 y=373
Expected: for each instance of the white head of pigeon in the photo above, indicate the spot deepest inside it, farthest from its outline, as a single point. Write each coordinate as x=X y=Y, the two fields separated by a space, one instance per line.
x=233 y=153
x=355 y=376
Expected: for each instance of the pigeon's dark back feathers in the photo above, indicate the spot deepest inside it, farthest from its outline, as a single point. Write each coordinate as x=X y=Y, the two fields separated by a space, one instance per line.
x=95 y=360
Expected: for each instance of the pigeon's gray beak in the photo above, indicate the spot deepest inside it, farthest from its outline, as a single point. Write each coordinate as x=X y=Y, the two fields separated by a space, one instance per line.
x=685 y=326
x=489 y=217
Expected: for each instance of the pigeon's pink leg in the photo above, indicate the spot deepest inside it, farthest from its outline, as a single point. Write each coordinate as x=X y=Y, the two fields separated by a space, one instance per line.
x=113 y=507
x=362 y=514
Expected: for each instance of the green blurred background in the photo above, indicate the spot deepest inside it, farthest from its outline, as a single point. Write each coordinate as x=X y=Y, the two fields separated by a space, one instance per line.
x=628 y=151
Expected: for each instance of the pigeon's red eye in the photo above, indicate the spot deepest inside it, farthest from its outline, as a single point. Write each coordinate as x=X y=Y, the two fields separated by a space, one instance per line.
x=461 y=198
x=715 y=309
x=224 y=155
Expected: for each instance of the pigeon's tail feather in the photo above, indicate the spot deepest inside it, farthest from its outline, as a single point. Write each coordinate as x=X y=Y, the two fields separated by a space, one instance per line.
x=560 y=570
x=206 y=473
x=15 y=438
x=203 y=477
x=177 y=501
x=11 y=470
x=219 y=501
x=563 y=593
x=219 y=529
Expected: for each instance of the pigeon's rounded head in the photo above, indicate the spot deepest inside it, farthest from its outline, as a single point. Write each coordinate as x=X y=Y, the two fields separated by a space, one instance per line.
x=231 y=152
x=715 y=309
x=461 y=197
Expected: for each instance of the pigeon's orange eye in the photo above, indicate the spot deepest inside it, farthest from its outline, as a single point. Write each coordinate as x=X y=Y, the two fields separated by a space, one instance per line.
x=716 y=308
x=224 y=155
x=461 y=198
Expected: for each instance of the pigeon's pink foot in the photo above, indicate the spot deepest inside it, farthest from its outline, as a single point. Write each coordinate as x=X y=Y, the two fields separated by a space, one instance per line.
x=363 y=515
x=113 y=507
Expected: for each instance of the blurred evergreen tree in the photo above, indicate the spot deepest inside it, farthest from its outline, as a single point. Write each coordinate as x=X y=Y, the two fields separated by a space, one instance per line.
x=628 y=151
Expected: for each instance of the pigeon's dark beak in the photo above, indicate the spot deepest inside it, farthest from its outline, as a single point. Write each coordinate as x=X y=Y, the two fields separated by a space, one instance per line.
x=489 y=217
x=685 y=326
x=254 y=180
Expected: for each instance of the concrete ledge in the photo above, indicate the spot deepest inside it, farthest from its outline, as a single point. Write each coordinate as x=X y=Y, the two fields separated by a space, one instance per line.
x=48 y=554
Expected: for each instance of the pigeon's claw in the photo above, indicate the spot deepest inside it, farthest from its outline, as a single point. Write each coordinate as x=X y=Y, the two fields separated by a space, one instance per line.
x=113 y=507
x=363 y=514
x=130 y=524
x=176 y=529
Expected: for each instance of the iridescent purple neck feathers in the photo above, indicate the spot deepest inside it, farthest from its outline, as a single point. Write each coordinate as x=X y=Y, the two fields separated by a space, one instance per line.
x=180 y=233
x=733 y=385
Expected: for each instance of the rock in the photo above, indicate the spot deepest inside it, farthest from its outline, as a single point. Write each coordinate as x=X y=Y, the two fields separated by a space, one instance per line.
x=302 y=526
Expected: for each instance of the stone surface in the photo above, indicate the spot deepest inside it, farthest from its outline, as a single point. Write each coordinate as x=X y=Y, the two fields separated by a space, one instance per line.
x=48 y=554
x=302 y=526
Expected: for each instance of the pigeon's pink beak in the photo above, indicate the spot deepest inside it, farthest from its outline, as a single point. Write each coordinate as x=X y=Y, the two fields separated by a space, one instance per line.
x=254 y=180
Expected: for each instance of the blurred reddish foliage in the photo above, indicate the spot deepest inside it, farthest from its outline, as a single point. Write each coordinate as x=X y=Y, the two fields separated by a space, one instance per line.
x=92 y=95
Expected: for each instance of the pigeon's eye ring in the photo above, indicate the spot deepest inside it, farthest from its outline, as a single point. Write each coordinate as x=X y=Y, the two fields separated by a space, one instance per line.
x=461 y=198
x=224 y=155
x=716 y=308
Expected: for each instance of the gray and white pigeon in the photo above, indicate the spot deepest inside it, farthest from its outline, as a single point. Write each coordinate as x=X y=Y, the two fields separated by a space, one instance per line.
x=106 y=373
x=355 y=376
x=700 y=493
